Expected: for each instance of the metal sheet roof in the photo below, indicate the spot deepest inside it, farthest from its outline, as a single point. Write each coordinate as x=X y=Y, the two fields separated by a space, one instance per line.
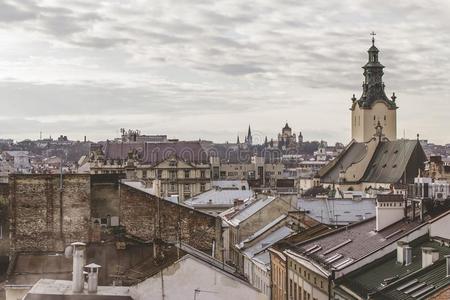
x=338 y=211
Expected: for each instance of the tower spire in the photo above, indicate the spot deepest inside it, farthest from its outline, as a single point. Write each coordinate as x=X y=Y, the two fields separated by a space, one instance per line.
x=373 y=34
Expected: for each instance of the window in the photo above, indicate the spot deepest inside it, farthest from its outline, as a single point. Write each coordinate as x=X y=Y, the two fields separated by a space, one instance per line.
x=173 y=174
x=159 y=174
x=202 y=187
x=186 y=174
x=290 y=286
x=202 y=174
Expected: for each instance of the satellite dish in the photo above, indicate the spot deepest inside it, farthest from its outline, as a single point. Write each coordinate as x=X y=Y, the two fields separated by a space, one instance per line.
x=68 y=252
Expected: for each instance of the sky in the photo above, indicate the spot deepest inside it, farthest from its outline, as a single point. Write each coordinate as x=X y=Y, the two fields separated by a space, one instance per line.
x=207 y=69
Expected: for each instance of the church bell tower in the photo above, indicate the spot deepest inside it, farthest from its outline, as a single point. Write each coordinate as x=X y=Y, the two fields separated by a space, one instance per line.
x=373 y=107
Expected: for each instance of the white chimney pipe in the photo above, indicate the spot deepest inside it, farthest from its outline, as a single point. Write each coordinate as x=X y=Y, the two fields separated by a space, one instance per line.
x=400 y=252
x=429 y=256
x=92 y=277
x=79 y=260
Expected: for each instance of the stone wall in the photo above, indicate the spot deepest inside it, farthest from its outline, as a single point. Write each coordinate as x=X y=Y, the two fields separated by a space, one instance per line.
x=44 y=217
x=151 y=218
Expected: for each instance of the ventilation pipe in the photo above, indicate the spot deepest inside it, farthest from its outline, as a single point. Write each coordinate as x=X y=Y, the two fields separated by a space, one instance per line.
x=401 y=251
x=429 y=256
x=78 y=251
x=92 y=277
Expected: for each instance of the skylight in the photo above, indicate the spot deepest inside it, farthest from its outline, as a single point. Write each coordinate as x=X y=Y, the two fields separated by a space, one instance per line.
x=343 y=264
x=333 y=258
x=337 y=246
x=313 y=249
x=401 y=288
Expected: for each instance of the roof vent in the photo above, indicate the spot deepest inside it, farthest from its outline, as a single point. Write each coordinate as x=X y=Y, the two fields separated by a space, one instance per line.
x=92 y=277
x=401 y=252
x=429 y=256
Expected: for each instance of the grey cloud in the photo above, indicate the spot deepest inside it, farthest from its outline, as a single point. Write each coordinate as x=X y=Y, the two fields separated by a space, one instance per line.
x=226 y=46
x=13 y=13
x=240 y=69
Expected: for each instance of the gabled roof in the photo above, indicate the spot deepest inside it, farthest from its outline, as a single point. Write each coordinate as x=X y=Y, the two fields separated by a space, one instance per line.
x=387 y=165
x=386 y=271
x=249 y=210
x=391 y=160
x=351 y=243
x=419 y=285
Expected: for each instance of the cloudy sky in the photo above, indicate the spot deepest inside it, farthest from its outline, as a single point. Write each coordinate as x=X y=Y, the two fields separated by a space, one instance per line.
x=207 y=68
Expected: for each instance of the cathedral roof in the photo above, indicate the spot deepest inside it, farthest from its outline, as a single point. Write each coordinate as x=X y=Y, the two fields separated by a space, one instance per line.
x=387 y=164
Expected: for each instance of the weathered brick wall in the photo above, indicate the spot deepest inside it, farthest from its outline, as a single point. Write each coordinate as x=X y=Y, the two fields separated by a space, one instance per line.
x=45 y=219
x=139 y=214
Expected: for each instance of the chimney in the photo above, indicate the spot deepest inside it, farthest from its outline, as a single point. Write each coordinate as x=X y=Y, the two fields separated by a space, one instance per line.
x=79 y=259
x=389 y=210
x=429 y=256
x=92 y=277
x=401 y=251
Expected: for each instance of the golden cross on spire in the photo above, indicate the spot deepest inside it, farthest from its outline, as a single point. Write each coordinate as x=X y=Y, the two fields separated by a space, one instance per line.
x=373 y=34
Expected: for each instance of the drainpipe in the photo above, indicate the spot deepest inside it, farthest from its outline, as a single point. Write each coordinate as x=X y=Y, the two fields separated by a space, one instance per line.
x=330 y=281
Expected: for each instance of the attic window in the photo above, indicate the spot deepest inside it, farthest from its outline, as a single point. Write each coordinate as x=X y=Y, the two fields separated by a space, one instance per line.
x=394 y=166
x=385 y=151
x=384 y=166
x=396 y=151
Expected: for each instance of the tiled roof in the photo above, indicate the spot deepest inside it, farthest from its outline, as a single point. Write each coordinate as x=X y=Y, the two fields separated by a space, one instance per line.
x=342 y=247
x=386 y=270
x=387 y=164
x=419 y=285
x=390 y=160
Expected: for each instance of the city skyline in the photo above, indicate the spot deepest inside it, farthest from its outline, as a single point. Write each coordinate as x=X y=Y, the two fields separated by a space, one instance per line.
x=207 y=70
